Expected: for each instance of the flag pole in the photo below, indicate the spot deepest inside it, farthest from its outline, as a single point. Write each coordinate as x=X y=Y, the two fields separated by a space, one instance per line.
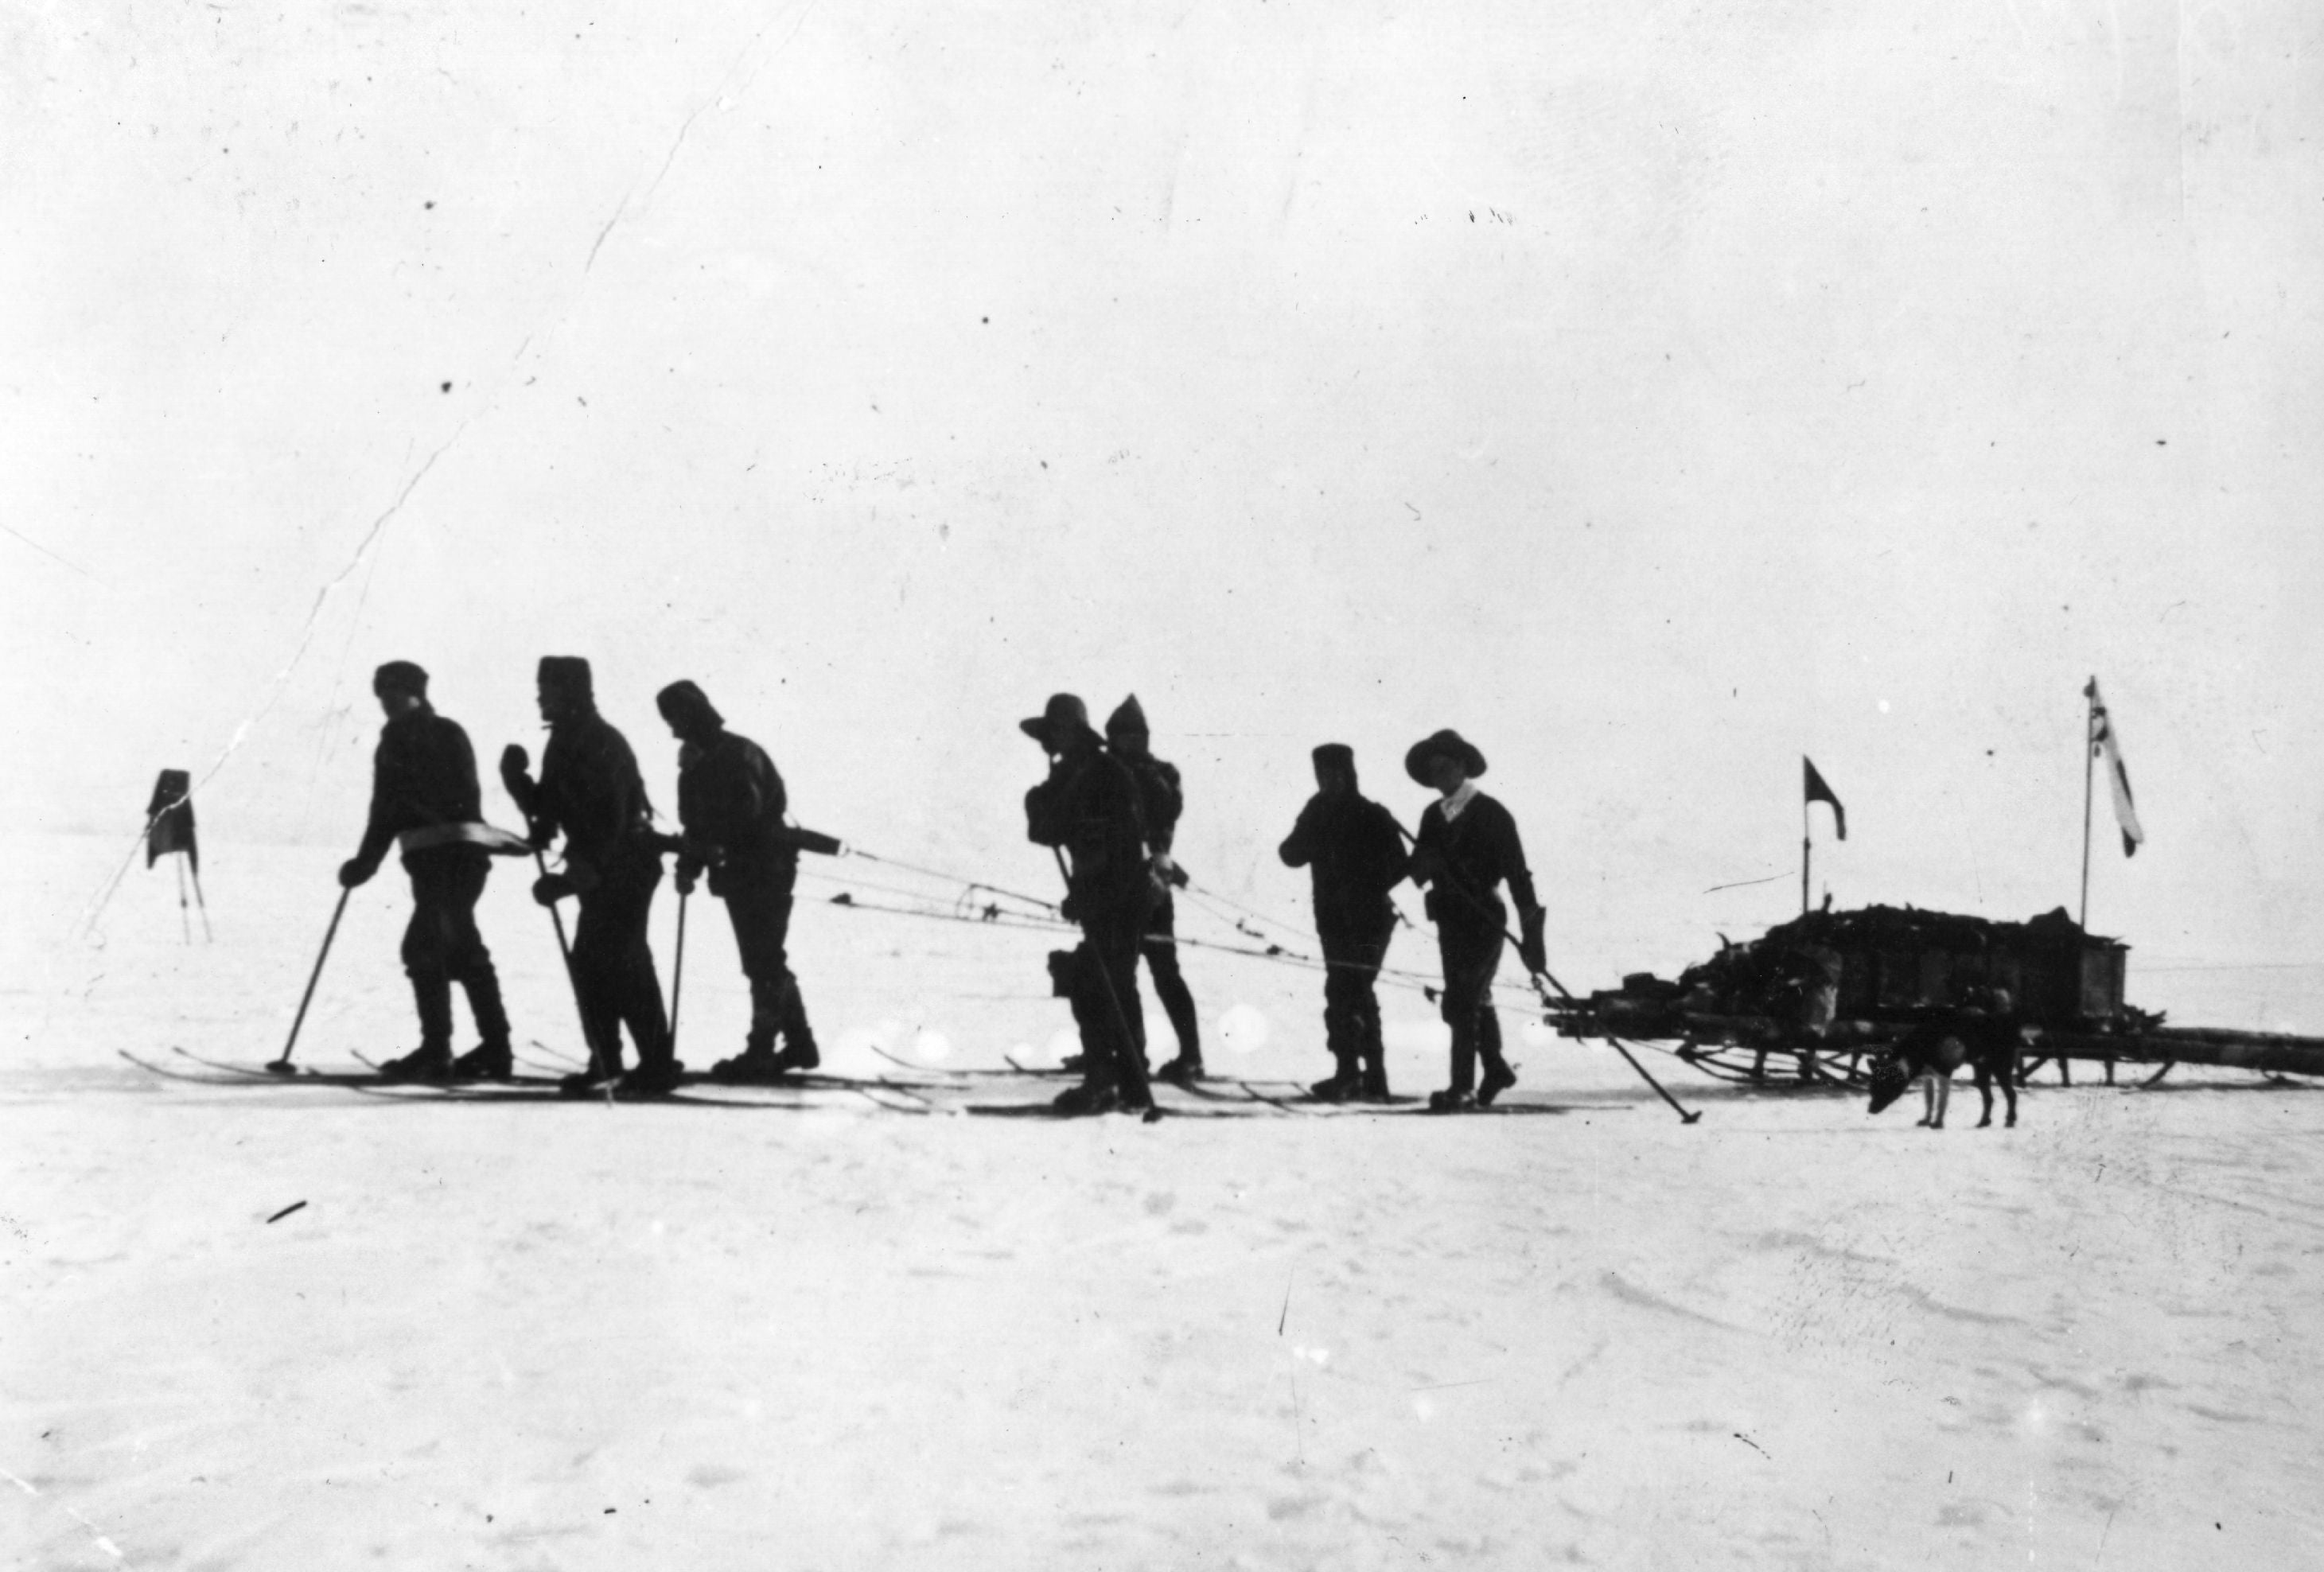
x=2089 y=751
x=185 y=922
x=1804 y=854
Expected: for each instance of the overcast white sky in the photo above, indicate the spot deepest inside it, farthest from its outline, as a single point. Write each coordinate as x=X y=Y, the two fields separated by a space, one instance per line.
x=1653 y=392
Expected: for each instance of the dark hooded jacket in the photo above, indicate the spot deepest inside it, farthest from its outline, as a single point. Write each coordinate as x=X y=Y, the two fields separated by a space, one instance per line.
x=730 y=803
x=1160 y=797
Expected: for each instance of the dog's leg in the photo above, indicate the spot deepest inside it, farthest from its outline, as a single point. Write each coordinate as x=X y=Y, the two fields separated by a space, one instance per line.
x=1945 y=1096
x=2009 y=1090
x=1985 y=1090
x=1928 y=1100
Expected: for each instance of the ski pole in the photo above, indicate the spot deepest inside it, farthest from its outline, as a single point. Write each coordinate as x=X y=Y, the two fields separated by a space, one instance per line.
x=572 y=978
x=283 y=1066
x=677 y=974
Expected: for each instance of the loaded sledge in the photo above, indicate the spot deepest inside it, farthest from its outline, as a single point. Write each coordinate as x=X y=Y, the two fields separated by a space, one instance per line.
x=1830 y=989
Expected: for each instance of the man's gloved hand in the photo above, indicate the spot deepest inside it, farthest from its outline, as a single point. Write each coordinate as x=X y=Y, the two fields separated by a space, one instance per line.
x=1167 y=868
x=356 y=871
x=1066 y=909
x=1425 y=866
x=516 y=776
x=552 y=887
x=1532 y=944
x=689 y=870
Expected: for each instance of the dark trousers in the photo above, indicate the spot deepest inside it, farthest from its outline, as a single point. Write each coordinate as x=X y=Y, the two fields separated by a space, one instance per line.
x=1471 y=955
x=1351 y=1017
x=760 y=911
x=441 y=945
x=1159 y=945
x=1105 y=998
x=613 y=969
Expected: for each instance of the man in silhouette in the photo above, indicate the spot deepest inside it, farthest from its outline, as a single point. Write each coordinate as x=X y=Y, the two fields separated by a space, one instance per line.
x=424 y=794
x=1088 y=809
x=731 y=805
x=590 y=792
x=1354 y=855
x=1160 y=801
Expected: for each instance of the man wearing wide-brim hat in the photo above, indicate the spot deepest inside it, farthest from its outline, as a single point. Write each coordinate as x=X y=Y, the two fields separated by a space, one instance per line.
x=1088 y=809
x=1467 y=847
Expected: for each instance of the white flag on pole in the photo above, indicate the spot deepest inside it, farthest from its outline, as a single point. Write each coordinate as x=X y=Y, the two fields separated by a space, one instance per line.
x=2105 y=745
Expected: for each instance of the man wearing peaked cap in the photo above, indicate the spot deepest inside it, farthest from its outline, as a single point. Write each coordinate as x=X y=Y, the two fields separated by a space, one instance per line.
x=1354 y=853
x=731 y=805
x=1466 y=847
x=1162 y=800
x=590 y=791
x=1088 y=809
x=424 y=793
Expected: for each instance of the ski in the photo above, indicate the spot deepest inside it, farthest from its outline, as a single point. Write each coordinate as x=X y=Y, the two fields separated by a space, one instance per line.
x=525 y=1088
x=229 y=1072
x=888 y=1083
x=1009 y=1069
x=449 y=1083
x=217 y=1078
x=1045 y=1111
x=802 y=1079
x=1153 y=1116
x=1210 y=1089
x=259 y=1074
x=469 y=1092
x=809 y=1083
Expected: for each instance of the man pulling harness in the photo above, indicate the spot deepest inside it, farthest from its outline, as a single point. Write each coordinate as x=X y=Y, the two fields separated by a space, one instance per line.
x=731 y=805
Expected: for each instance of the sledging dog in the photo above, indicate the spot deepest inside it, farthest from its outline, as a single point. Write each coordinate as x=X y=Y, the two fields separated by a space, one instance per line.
x=1985 y=1039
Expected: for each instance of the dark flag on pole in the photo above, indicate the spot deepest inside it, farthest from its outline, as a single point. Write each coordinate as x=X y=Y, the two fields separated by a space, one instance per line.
x=2104 y=746
x=1817 y=792
x=169 y=820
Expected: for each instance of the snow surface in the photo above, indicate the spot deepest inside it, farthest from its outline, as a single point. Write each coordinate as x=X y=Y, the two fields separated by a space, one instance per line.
x=818 y=1333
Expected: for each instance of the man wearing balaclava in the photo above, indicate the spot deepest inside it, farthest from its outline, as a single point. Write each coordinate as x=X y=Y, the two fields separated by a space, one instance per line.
x=590 y=792
x=424 y=794
x=1162 y=800
x=731 y=805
